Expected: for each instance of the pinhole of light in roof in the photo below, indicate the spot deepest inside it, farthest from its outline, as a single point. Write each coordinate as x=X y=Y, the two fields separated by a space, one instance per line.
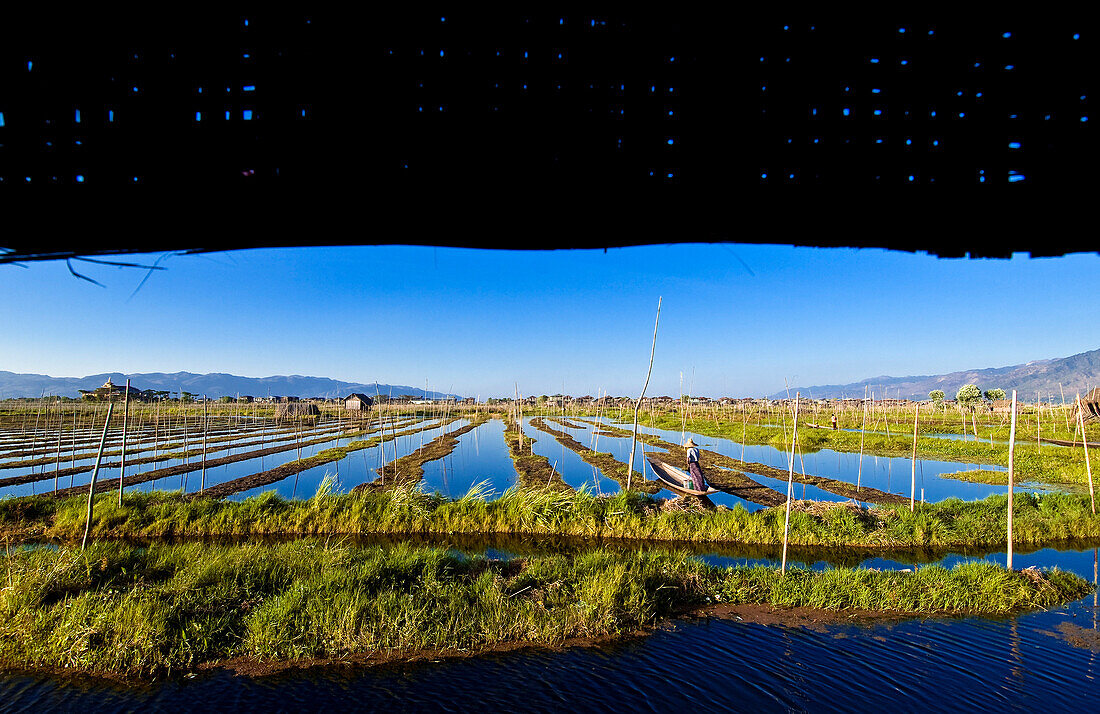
x=1015 y=177
x=227 y=115
x=846 y=111
x=978 y=95
x=935 y=142
x=1046 y=117
x=1 y=118
x=876 y=90
x=80 y=178
x=1084 y=118
x=248 y=88
x=901 y=30
x=764 y=175
x=1014 y=145
x=874 y=60
x=908 y=142
x=878 y=141
x=110 y=115
x=1006 y=35
x=1076 y=35
x=198 y=116
x=76 y=116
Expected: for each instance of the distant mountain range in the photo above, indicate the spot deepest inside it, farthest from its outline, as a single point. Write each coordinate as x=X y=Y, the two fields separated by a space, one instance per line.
x=1076 y=373
x=213 y=385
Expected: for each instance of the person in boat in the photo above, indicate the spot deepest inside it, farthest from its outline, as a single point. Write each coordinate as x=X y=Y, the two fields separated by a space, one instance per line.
x=698 y=482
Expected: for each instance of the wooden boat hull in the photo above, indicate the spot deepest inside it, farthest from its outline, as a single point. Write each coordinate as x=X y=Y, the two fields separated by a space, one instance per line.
x=674 y=479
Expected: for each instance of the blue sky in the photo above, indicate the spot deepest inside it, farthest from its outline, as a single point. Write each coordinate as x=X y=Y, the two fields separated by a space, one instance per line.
x=735 y=319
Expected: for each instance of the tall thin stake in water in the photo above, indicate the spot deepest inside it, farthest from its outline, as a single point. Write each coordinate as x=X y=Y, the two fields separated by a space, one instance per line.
x=57 y=456
x=1085 y=441
x=634 y=438
x=1038 y=422
x=122 y=463
x=202 y=478
x=790 y=487
x=913 y=487
x=1011 y=474
x=859 y=474
x=95 y=474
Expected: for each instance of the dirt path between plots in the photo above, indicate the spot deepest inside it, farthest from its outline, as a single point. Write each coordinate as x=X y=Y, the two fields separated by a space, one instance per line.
x=712 y=458
x=533 y=470
x=108 y=484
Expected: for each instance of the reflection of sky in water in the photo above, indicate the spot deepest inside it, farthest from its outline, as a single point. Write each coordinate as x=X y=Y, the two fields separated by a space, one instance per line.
x=481 y=455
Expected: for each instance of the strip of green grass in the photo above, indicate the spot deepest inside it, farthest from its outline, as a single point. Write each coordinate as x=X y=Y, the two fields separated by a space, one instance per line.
x=121 y=609
x=1038 y=520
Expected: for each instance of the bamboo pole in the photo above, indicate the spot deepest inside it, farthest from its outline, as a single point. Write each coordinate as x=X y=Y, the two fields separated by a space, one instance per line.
x=95 y=473
x=202 y=478
x=1038 y=422
x=1011 y=475
x=859 y=474
x=57 y=456
x=913 y=463
x=122 y=462
x=790 y=489
x=634 y=437
x=1085 y=441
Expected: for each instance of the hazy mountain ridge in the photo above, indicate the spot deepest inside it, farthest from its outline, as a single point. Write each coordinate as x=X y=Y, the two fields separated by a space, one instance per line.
x=215 y=384
x=1076 y=373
